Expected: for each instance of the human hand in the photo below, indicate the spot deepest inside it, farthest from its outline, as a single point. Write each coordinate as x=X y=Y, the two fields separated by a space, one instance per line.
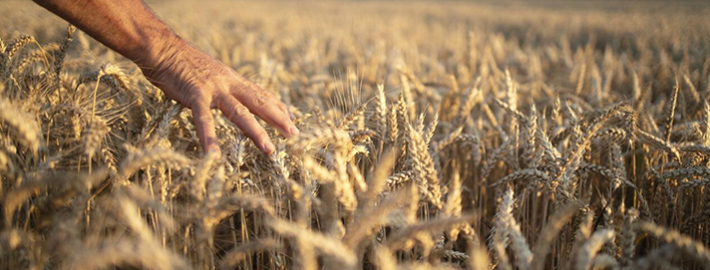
x=184 y=73
x=200 y=82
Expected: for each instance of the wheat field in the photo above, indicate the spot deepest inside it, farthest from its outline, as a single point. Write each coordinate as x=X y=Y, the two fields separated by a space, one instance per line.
x=434 y=135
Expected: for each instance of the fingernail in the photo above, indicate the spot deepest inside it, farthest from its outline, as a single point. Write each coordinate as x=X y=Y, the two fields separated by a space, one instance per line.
x=293 y=130
x=268 y=147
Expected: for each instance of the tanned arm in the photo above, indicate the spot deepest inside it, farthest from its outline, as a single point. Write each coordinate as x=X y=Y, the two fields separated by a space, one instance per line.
x=184 y=73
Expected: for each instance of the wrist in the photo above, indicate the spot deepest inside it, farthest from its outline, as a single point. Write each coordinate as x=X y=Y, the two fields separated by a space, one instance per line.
x=158 y=49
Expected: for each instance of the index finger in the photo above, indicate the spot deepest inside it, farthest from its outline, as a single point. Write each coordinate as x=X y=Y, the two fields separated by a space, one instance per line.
x=204 y=123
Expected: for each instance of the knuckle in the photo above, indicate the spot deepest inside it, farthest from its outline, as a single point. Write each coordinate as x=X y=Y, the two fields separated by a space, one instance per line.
x=282 y=106
x=239 y=111
x=260 y=97
x=197 y=100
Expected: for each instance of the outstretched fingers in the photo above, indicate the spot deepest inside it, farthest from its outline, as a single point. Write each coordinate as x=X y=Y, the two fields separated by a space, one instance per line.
x=204 y=123
x=245 y=120
x=266 y=106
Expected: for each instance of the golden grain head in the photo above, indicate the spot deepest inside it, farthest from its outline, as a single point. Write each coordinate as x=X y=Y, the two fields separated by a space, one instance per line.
x=434 y=135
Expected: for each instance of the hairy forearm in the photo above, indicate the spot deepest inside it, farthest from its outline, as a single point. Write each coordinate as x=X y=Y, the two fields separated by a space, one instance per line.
x=125 y=26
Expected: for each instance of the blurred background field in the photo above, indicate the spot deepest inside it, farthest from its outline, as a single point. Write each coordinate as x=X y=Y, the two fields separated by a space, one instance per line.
x=435 y=134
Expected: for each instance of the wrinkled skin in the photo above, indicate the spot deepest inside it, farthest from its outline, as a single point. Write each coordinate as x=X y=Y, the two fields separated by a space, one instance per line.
x=201 y=83
x=184 y=73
